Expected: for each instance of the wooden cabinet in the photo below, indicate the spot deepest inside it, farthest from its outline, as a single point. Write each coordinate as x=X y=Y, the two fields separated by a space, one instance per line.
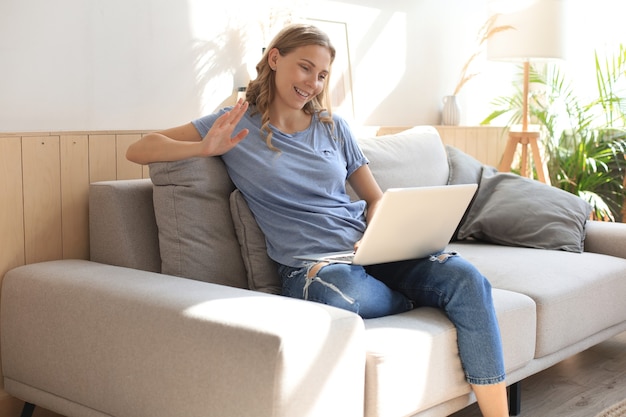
x=485 y=143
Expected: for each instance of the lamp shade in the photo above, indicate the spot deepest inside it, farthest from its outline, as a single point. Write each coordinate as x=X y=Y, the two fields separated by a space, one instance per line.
x=536 y=34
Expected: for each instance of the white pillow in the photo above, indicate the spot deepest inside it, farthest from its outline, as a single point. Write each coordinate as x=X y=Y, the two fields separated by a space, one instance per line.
x=413 y=158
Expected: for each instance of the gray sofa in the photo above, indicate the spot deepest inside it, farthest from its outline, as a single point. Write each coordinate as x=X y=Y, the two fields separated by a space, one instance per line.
x=124 y=335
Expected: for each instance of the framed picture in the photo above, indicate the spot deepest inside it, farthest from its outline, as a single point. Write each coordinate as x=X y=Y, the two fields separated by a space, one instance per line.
x=341 y=76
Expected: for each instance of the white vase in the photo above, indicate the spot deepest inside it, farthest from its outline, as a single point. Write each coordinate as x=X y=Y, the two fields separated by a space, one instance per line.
x=451 y=113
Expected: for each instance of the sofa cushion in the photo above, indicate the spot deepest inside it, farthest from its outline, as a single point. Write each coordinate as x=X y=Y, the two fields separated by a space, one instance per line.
x=422 y=343
x=196 y=234
x=261 y=271
x=577 y=294
x=464 y=169
x=412 y=158
x=513 y=210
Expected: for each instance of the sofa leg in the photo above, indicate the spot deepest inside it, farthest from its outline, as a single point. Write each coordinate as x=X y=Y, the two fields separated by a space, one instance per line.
x=28 y=410
x=515 y=398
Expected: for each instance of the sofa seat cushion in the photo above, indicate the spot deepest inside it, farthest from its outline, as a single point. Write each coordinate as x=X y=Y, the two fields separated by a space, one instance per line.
x=86 y=336
x=577 y=294
x=412 y=358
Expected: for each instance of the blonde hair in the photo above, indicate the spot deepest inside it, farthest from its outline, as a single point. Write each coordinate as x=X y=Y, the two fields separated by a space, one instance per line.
x=261 y=91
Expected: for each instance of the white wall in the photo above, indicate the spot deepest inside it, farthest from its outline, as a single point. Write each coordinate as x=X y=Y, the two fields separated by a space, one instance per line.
x=592 y=26
x=103 y=64
x=130 y=64
x=149 y=64
x=406 y=55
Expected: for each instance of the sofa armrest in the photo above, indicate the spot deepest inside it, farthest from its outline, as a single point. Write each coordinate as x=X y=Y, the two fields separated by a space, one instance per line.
x=131 y=342
x=122 y=224
x=606 y=237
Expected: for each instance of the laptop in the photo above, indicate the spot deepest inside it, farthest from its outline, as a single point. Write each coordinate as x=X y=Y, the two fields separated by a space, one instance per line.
x=409 y=223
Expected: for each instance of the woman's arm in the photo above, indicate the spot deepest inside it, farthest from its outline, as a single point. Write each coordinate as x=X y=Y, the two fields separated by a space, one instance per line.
x=364 y=184
x=366 y=187
x=185 y=142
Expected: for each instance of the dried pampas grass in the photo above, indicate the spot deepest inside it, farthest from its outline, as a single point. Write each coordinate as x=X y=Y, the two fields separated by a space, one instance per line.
x=487 y=30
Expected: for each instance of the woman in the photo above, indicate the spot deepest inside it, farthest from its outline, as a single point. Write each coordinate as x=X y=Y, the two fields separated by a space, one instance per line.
x=292 y=168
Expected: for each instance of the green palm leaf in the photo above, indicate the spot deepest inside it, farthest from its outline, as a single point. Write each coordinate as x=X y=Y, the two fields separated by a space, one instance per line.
x=585 y=142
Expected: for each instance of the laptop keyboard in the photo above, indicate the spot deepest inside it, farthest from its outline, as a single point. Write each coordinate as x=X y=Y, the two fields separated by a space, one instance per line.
x=348 y=258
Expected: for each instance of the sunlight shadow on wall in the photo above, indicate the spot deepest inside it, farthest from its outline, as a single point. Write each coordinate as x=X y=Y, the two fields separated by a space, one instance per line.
x=219 y=62
x=385 y=42
x=377 y=44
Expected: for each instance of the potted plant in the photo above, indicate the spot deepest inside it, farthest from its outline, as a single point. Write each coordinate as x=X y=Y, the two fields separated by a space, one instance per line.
x=585 y=142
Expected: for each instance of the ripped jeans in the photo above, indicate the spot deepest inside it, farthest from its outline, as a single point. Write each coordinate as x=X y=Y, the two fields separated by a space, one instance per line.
x=445 y=281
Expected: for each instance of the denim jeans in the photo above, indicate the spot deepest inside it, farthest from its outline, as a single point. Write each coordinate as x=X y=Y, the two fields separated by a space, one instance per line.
x=446 y=281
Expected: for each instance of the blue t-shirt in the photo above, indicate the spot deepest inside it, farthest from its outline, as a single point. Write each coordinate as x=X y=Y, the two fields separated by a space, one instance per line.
x=298 y=196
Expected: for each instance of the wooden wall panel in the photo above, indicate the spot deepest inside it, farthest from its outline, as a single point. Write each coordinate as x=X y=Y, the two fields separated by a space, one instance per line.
x=497 y=139
x=42 y=198
x=145 y=169
x=126 y=170
x=75 y=195
x=485 y=143
x=102 y=157
x=11 y=222
x=474 y=146
x=11 y=204
x=454 y=137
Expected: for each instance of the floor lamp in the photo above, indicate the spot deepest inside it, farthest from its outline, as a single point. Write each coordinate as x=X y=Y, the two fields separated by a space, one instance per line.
x=536 y=36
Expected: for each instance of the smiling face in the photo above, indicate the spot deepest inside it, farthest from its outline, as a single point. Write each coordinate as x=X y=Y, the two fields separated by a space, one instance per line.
x=300 y=75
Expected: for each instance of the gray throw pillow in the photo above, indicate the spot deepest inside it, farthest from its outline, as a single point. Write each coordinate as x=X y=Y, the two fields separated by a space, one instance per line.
x=517 y=211
x=262 y=271
x=464 y=169
x=196 y=234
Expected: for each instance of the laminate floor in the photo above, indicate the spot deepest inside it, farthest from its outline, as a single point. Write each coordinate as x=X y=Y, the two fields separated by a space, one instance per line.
x=580 y=386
